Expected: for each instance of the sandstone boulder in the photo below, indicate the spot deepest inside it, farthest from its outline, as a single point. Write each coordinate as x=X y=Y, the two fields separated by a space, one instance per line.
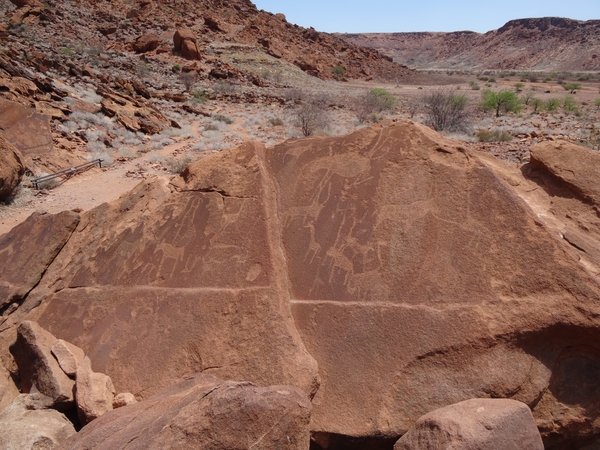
x=575 y=166
x=28 y=424
x=37 y=366
x=24 y=261
x=185 y=43
x=11 y=168
x=482 y=424
x=69 y=356
x=95 y=392
x=204 y=412
x=22 y=3
x=146 y=43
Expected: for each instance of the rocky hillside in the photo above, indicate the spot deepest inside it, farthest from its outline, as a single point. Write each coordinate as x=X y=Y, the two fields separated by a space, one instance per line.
x=45 y=33
x=548 y=43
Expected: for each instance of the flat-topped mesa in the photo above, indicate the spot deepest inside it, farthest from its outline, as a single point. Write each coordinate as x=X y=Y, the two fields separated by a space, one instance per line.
x=405 y=265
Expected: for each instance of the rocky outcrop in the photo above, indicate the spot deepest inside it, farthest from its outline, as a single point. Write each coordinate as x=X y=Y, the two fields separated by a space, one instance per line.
x=414 y=272
x=38 y=369
x=205 y=412
x=481 y=423
x=11 y=168
x=185 y=43
x=29 y=424
x=95 y=392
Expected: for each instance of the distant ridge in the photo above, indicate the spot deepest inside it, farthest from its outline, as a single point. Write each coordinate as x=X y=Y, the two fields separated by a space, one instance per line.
x=546 y=43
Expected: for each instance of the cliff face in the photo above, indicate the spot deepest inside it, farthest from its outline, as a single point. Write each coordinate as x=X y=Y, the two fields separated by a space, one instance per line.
x=548 y=43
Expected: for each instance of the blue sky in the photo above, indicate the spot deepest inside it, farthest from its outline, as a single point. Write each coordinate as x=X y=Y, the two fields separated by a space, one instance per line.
x=423 y=15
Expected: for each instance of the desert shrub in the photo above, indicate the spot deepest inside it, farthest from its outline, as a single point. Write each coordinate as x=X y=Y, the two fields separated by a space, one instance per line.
x=276 y=122
x=597 y=103
x=519 y=87
x=126 y=152
x=552 y=104
x=445 y=110
x=474 y=86
x=493 y=136
x=570 y=105
x=310 y=117
x=537 y=104
x=199 y=97
x=176 y=165
x=225 y=119
x=48 y=184
x=188 y=79
x=500 y=102
x=572 y=87
x=375 y=101
x=338 y=72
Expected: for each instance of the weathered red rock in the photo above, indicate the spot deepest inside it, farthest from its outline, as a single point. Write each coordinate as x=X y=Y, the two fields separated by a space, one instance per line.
x=185 y=42
x=480 y=423
x=26 y=260
x=417 y=277
x=11 y=168
x=146 y=43
x=95 y=392
x=37 y=366
x=204 y=412
x=207 y=298
x=575 y=166
x=69 y=356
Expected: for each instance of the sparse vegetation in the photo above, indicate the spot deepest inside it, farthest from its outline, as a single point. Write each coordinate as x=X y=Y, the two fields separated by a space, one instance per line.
x=222 y=118
x=474 y=86
x=501 y=102
x=338 y=72
x=552 y=104
x=310 y=117
x=199 y=97
x=570 y=105
x=375 y=101
x=597 y=103
x=493 y=136
x=572 y=87
x=445 y=110
x=519 y=87
x=188 y=79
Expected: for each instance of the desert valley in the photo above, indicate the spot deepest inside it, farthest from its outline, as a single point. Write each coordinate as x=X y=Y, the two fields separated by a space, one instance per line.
x=221 y=230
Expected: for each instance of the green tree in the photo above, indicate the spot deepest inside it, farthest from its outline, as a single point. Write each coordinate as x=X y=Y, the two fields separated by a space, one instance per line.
x=572 y=87
x=500 y=102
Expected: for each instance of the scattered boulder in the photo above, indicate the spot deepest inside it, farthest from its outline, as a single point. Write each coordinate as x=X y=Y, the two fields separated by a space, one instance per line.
x=95 y=392
x=69 y=356
x=576 y=166
x=204 y=412
x=29 y=424
x=11 y=168
x=37 y=367
x=133 y=114
x=480 y=423
x=123 y=399
x=146 y=43
x=185 y=43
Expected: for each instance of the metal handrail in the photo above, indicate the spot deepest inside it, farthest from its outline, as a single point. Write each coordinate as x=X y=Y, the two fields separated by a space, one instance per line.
x=71 y=170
